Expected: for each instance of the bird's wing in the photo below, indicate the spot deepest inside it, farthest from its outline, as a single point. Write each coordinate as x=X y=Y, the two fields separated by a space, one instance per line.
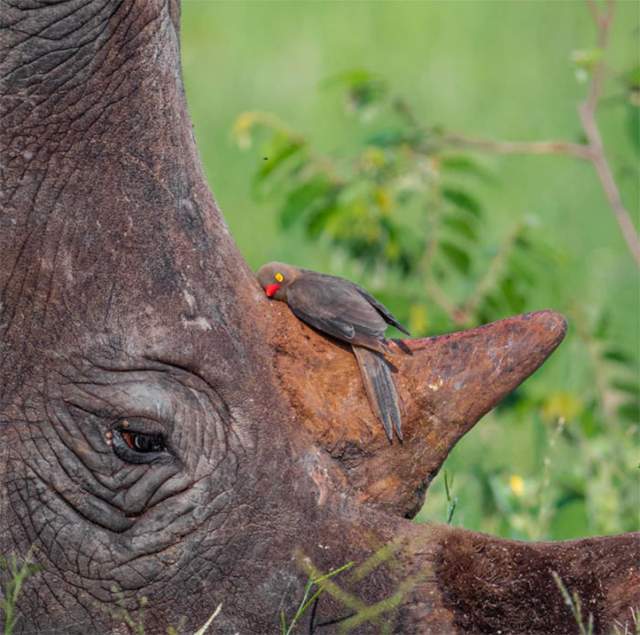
x=327 y=324
x=381 y=309
x=335 y=306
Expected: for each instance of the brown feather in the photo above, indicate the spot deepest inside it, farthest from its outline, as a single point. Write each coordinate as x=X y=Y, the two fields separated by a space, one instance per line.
x=380 y=389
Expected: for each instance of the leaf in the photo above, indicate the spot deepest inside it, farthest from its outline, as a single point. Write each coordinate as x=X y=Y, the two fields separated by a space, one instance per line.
x=522 y=242
x=630 y=387
x=319 y=220
x=619 y=356
x=462 y=199
x=352 y=77
x=301 y=198
x=512 y=294
x=365 y=88
x=387 y=138
x=491 y=309
x=462 y=227
x=633 y=126
x=520 y=266
x=632 y=78
x=282 y=149
x=466 y=165
x=630 y=411
x=456 y=256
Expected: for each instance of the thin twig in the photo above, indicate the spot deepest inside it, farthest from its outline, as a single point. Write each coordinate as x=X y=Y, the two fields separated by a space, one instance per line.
x=587 y=112
x=592 y=151
x=576 y=150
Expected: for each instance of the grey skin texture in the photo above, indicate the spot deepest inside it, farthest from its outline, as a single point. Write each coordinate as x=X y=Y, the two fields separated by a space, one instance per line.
x=346 y=311
x=152 y=442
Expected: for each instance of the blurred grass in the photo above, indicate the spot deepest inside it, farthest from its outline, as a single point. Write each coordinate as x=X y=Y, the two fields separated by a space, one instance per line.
x=498 y=70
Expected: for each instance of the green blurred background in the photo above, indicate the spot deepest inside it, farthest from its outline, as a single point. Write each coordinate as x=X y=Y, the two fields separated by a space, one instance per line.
x=560 y=458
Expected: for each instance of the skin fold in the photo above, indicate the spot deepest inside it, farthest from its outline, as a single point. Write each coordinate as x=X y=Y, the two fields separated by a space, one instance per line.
x=171 y=440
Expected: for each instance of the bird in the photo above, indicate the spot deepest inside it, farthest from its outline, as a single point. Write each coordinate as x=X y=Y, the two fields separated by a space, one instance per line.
x=344 y=310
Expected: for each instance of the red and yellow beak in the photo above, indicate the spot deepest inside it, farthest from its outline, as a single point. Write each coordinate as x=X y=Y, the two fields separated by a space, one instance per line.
x=271 y=289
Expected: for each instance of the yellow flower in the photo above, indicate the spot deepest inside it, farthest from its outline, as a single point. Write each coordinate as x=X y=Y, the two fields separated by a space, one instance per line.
x=562 y=405
x=516 y=483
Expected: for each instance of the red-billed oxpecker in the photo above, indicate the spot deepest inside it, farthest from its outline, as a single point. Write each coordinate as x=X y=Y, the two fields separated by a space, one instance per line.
x=347 y=312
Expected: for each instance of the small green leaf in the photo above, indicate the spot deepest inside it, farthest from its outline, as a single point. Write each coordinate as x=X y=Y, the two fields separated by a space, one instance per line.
x=632 y=78
x=512 y=294
x=461 y=226
x=633 y=125
x=630 y=387
x=301 y=198
x=456 y=256
x=630 y=411
x=364 y=89
x=282 y=148
x=320 y=218
x=387 y=138
x=619 y=356
x=462 y=199
x=465 y=165
x=522 y=242
x=352 y=77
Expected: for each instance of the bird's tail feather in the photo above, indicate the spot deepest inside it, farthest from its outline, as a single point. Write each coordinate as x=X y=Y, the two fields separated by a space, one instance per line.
x=381 y=390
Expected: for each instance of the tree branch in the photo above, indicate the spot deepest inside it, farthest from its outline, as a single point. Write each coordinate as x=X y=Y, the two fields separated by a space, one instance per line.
x=587 y=112
x=592 y=151
x=577 y=150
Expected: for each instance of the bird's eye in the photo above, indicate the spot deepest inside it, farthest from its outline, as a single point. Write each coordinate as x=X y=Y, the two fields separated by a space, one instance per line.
x=279 y=277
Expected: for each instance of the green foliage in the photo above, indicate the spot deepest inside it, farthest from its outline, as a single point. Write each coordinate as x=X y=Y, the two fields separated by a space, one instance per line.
x=134 y=620
x=402 y=205
x=631 y=80
x=574 y=603
x=312 y=592
x=18 y=570
x=379 y=614
x=452 y=501
x=407 y=211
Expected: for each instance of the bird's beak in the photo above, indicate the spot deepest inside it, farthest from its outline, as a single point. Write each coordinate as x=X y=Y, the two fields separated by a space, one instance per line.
x=271 y=289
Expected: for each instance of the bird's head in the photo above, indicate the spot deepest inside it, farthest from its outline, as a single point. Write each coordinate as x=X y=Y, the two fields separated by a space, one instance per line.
x=275 y=277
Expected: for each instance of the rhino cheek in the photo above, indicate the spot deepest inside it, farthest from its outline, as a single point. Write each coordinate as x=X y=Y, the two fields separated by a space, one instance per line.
x=101 y=522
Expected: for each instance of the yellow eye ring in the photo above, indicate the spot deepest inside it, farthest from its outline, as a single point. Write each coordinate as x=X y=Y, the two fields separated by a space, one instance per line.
x=279 y=277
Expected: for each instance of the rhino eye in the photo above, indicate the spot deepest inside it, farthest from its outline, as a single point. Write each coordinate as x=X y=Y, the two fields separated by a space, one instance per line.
x=141 y=442
x=135 y=446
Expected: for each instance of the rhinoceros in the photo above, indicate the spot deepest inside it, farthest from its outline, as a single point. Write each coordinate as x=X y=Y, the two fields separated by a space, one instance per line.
x=170 y=439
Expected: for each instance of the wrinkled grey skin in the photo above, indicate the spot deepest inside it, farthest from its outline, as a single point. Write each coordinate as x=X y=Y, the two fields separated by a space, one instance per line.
x=122 y=297
x=101 y=225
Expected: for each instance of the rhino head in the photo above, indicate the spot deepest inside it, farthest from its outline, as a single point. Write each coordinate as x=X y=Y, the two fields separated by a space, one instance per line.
x=169 y=434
